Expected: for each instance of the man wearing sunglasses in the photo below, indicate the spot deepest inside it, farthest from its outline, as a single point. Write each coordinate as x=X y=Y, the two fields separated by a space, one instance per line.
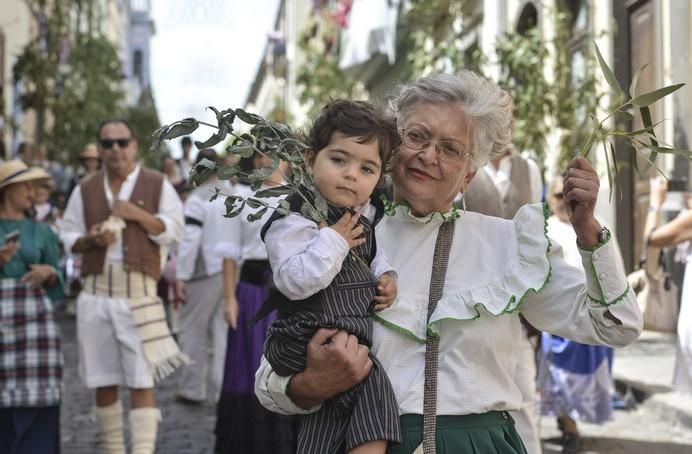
x=121 y=220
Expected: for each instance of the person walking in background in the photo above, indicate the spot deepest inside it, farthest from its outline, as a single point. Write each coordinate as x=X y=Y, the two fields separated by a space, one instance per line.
x=184 y=164
x=170 y=170
x=242 y=424
x=91 y=163
x=201 y=326
x=31 y=362
x=25 y=153
x=508 y=182
x=574 y=380
x=674 y=232
x=90 y=160
x=44 y=208
x=121 y=221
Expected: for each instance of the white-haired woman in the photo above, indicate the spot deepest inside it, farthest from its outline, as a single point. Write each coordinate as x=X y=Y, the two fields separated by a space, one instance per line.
x=449 y=343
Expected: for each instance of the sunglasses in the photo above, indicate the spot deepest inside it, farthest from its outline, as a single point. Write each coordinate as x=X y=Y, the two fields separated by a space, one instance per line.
x=107 y=144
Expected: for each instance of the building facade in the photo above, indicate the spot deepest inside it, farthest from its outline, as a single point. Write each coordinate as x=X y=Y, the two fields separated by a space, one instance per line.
x=127 y=25
x=374 y=48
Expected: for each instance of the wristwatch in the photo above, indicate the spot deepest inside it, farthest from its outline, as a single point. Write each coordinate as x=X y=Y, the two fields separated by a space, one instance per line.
x=603 y=235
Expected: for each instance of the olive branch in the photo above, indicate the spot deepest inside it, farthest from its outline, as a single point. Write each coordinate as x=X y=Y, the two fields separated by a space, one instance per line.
x=641 y=140
x=274 y=140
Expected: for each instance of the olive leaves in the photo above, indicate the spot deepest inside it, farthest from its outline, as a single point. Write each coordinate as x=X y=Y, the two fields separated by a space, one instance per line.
x=642 y=140
x=273 y=140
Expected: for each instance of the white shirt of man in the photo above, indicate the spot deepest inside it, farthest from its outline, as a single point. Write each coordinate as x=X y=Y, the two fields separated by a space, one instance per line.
x=170 y=213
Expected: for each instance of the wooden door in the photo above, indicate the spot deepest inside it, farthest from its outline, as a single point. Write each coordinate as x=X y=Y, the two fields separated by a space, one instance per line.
x=642 y=50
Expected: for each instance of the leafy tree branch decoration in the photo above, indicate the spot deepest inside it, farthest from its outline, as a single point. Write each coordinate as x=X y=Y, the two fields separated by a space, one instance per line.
x=274 y=140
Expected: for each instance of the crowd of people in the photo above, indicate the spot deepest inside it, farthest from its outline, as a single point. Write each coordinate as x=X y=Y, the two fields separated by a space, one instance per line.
x=417 y=330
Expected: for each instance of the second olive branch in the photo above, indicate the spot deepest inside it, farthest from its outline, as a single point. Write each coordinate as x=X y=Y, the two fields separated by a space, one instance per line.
x=641 y=140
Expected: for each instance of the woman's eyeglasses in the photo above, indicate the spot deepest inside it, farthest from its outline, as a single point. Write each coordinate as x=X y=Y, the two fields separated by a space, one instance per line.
x=419 y=140
x=107 y=144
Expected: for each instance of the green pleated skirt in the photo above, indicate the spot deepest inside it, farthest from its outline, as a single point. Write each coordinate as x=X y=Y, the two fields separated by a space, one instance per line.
x=486 y=433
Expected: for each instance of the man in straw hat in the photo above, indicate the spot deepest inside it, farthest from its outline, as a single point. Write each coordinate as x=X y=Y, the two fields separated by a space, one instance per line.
x=89 y=157
x=91 y=162
x=121 y=220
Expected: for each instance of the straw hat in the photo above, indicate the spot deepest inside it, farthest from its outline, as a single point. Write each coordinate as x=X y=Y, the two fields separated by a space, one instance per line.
x=89 y=152
x=15 y=171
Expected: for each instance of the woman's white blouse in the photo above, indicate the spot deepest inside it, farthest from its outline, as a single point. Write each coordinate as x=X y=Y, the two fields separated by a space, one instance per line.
x=497 y=268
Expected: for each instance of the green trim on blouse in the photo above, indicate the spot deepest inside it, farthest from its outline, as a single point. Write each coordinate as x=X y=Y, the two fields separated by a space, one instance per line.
x=511 y=307
x=508 y=307
x=397 y=328
x=391 y=208
x=592 y=269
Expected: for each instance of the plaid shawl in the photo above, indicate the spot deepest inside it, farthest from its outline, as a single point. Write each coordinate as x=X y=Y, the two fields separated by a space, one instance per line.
x=31 y=360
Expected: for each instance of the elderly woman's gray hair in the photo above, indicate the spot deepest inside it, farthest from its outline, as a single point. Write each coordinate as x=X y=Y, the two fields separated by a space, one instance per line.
x=487 y=107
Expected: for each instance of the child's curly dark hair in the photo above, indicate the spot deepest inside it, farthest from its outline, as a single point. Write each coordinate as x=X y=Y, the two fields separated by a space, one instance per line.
x=359 y=119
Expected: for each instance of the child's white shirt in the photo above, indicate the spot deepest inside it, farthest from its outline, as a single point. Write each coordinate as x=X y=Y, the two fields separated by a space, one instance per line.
x=305 y=259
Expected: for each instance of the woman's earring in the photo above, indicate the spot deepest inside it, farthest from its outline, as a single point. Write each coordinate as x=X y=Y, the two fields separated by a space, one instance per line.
x=463 y=203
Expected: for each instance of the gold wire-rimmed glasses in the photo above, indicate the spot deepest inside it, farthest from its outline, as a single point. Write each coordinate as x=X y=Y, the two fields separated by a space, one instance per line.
x=447 y=149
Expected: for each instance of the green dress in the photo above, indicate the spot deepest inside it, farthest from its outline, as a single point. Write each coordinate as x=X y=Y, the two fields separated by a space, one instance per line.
x=37 y=244
x=491 y=432
x=30 y=354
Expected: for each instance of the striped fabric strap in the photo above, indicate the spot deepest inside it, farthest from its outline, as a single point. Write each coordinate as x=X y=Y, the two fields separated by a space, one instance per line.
x=437 y=281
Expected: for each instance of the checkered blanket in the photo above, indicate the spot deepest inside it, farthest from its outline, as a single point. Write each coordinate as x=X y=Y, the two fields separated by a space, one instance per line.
x=30 y=356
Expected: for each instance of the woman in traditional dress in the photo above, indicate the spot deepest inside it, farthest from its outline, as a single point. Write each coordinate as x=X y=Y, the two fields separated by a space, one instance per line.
x=30 y=356
x=242 y=424
x=675 y=232
x=450 y=342
x=574 y=379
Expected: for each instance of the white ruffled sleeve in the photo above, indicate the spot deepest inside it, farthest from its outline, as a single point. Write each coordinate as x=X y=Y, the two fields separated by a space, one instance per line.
x=501 y=267
x=595 y=306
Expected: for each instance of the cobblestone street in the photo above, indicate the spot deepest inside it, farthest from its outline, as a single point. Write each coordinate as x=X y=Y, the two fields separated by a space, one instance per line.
x=184 y=430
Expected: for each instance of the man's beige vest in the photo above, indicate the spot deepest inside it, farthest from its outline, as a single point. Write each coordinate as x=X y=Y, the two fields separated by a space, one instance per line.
x=140 y=253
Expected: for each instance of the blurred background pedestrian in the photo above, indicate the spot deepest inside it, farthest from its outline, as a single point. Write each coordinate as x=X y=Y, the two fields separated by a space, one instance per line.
x=31 y=362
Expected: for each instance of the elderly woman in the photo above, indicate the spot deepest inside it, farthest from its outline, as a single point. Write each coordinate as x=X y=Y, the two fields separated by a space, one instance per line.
x=449 y=343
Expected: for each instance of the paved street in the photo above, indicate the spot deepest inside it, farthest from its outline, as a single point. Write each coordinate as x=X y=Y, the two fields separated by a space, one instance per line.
x=184 y=429
x=661 y=423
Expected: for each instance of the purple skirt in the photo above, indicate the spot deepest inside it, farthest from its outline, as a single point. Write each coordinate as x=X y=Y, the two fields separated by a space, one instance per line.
x=242 y=424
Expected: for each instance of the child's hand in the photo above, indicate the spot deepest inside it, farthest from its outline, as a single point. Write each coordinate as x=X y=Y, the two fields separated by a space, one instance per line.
x=349 y=228
x=386 y=291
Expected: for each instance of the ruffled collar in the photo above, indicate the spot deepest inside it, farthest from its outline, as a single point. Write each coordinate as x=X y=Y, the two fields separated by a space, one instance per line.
x=525 y=271
x=401 y=209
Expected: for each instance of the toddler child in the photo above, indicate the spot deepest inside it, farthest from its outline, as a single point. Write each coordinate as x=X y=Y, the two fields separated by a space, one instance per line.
x=333 y=276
